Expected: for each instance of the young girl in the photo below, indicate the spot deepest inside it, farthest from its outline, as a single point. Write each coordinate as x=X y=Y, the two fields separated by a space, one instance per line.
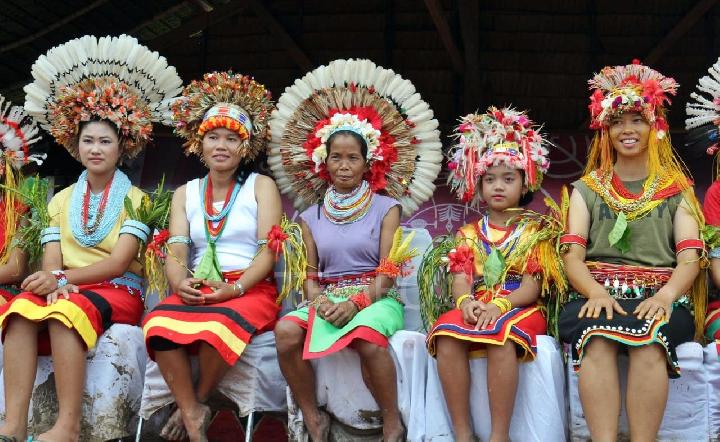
x=17 y=134
x=499 y=266
x=633 y=262
x=91 y=277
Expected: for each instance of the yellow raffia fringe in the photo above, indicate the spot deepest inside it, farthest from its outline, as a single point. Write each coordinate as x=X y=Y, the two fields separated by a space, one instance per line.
x=400 y=252
x=294 y=258
x=155 y=277
x=12 y=216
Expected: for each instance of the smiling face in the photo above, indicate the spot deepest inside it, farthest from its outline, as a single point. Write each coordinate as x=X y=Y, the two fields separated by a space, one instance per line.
x=502 y=187
x=629 y=134
x=221 y=149
x=345 y=163
x=99 y=147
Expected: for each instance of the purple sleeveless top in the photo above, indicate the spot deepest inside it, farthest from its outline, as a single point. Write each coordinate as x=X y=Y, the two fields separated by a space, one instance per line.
x=348 y=249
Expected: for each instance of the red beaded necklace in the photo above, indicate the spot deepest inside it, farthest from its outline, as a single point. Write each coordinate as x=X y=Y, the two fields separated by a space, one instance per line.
x=100 y=210
x=215 y=231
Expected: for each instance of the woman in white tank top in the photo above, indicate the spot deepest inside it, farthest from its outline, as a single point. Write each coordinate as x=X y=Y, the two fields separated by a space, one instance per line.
x=223 y=290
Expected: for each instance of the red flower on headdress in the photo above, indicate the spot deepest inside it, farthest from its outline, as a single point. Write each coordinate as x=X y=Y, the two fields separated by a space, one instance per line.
x=276 y=240
x=595 y=105
x=654 y=93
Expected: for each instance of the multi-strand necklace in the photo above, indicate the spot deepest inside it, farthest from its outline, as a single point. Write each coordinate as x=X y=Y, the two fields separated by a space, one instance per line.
x=215 y=221
x=345 y=208
x=98 y=213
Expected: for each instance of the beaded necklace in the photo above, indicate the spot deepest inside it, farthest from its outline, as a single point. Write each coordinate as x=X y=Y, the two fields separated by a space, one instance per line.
x=345 y=208
x=619 y=199
x=100 y=212
x=215 y=221
x=504 y=245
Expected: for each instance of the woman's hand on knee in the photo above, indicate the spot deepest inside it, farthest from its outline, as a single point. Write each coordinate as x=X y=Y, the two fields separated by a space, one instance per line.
x=63 y=292
x=41 y=283
x=341 y=313
x=471 y=311
x=188 y=293
x=658 y=306
x=593 y=307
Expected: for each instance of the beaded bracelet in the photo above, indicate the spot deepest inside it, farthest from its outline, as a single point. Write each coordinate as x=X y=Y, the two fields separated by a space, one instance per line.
x=461 y=299
x=361 y=300
x=503 y=304
x=179 y=239
x=60 y=277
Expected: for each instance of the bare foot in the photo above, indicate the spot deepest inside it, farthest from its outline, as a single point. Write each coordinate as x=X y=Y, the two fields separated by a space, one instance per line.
x=174 y=429
x=394 y=432
x=60 y=434
x=10 y=433
x=319 y=428
x=197 y=422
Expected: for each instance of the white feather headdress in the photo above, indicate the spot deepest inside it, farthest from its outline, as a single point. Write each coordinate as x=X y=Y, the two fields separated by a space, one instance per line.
x=404 y=148
x=113 y=78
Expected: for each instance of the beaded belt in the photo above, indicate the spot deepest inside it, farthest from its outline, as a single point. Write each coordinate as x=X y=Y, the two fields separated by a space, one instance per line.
x=629 y=282
x=348 y=285
x=131 y=281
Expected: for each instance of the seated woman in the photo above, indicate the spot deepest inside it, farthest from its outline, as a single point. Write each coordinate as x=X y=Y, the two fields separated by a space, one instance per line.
x=17 y=134
x=702 y=126
x=91 y=277
x=360 y=140
x=633 y=238
x=500 y=159
x=219 y=225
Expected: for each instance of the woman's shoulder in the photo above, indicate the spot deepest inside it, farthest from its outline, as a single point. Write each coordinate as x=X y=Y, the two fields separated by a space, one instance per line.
x=384 y=203
x=63 y=195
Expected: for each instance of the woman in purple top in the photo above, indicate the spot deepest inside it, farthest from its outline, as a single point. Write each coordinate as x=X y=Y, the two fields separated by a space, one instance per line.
x=350 y=305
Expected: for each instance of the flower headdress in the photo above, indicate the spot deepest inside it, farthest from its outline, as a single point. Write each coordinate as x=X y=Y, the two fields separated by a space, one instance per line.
x=630 y=88
x=499 y=136
x=110 y=78
x=404 y=150
x=223 y=99
x=703 y=122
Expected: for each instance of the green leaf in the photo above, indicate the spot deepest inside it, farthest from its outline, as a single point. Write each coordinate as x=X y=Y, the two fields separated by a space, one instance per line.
x=209 y=267
x=129 y=208
x=493 y=268
x=619 y=236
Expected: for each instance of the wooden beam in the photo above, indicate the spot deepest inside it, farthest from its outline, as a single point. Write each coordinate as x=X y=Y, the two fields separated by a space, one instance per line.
x=63 y=21
x=438 y=17
x=278 y=31
x=157 y=17
x=469 y=11
x=197 y=24
x=685 y=24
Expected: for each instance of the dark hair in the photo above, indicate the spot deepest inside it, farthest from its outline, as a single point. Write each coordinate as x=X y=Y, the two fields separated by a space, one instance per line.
x=358 y=138
x=528 y=197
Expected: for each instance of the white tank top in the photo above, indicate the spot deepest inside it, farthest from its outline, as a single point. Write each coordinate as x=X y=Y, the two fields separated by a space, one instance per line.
x=237 y=245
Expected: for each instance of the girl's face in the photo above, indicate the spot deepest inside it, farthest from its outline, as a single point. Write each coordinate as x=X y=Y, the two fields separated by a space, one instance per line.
x=629 y=134
x=345 y=163
x=221 y=149
x=99 y=147
x=502 y=187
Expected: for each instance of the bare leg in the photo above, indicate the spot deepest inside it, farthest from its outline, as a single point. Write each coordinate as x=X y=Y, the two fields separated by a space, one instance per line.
x=647 y=391
x=300 y=376
x=175 y=368
x=20 y=368
x=68 y=353
x=599 y=387
x=502 y=380
x=383 y=385
x=212 y=370
x=454 y=371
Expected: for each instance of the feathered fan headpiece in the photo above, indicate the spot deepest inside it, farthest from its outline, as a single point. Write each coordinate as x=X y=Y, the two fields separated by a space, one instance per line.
x=110 y=78
x=703 y=122
x=404 y=149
